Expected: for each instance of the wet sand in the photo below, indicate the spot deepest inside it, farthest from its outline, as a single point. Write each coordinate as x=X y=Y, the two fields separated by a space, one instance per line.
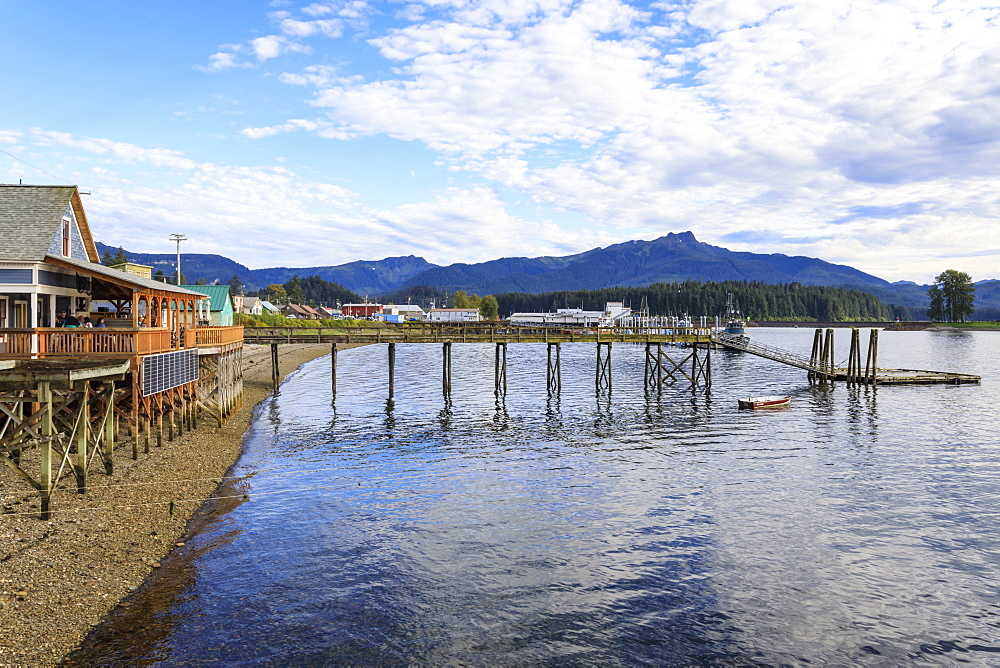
x=59 y=578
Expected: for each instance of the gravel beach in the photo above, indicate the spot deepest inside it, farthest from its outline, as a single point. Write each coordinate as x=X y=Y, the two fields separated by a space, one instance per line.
x=59 y=578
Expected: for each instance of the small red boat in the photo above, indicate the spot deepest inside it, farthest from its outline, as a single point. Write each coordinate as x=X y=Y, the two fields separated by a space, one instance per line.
x=773 y=401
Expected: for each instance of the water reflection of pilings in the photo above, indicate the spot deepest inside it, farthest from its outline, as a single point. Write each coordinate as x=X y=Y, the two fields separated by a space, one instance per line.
x=501 y=419
x=553 y=416
x=862 y=411
x=604 y=417
x=445 y=415
x=274 y=414
x=390 y=419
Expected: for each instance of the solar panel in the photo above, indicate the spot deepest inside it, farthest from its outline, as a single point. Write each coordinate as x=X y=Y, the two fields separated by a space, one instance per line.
x=168 y=370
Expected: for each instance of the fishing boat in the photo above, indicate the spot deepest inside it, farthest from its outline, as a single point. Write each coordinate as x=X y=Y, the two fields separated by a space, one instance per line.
x=735 y=323
x=771 y=401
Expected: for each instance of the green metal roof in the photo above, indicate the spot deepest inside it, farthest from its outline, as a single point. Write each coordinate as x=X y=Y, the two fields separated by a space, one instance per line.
x=218 y=296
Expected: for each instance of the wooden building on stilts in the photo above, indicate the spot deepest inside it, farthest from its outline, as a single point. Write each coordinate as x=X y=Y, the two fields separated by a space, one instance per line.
x=72 y=395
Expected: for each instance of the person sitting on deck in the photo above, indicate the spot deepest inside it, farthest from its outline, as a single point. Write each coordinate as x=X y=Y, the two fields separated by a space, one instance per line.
x=67 y=320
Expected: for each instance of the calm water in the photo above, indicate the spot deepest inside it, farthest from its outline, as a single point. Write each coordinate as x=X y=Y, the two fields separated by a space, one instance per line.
x=857 y=526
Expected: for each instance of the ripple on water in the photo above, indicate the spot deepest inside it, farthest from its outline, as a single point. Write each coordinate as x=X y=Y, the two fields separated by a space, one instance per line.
x=856 y=526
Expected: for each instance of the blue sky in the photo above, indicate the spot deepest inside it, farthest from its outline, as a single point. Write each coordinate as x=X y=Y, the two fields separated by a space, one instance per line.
x=308 y=133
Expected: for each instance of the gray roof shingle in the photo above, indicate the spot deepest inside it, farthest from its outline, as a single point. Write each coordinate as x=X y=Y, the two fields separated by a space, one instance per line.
x=29 y=217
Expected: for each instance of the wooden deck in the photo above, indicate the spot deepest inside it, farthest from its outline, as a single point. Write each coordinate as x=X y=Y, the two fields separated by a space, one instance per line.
x=90 y=343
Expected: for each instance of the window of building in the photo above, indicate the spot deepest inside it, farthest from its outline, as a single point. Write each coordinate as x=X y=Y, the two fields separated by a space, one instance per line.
x=65 y=236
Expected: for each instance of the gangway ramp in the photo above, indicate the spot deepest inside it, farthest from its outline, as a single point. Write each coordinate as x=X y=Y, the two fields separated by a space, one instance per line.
x=879 y=376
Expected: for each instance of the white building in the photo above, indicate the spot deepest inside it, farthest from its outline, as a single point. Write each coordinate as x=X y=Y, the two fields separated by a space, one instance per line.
x=611 y=316
x=406 y=311
x=453 y=315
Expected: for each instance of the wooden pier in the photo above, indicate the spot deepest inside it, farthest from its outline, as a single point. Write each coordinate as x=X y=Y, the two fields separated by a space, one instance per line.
x=661 y=369
x=476 y=332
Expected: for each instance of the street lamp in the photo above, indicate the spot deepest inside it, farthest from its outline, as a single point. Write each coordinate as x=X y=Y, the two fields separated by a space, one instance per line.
x=178 y=238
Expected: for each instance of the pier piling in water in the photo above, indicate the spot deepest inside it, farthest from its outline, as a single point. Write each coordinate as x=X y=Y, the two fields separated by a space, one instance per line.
x=500 y=370
x=603 y=378
x=392 y=369
x=553 y=374
x=446 y=369
x=274 y=366
x=333 y=369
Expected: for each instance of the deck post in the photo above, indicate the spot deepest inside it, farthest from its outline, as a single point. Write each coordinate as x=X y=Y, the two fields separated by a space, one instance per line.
x=48 y=429
x=392 y=370
x=109 y=428
x=170 y=416
x=134 y=423
x=83 y=438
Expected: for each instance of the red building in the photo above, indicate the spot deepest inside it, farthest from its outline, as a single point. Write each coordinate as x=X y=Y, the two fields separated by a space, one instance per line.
x=360 y=310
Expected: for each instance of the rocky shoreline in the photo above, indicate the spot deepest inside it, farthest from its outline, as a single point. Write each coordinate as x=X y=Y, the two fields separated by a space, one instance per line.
x=59 y=578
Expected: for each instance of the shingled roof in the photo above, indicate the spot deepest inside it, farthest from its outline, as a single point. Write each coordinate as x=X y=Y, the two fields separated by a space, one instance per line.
x=30 y=216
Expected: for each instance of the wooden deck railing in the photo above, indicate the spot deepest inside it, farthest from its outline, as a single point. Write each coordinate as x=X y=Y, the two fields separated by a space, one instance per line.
x=49 y=342
x=201 y=337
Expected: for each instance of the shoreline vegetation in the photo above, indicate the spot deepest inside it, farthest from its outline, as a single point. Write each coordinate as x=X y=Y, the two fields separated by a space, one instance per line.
x=60 y=578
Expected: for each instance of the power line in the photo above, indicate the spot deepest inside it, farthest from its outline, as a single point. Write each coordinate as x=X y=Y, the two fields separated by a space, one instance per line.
x=58 y=178
x=61 y=179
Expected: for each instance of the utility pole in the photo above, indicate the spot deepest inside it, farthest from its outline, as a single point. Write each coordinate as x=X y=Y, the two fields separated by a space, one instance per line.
x=178 y=238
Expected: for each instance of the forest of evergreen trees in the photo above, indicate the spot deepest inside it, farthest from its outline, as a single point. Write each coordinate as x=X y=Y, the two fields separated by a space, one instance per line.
x=757 y=301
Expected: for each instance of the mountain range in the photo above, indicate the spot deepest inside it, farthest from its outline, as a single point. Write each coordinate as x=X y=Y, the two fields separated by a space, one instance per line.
x=674 y=257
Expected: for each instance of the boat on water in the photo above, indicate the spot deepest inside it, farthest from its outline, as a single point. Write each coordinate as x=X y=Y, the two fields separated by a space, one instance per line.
x=770 y=401
x=735 y=322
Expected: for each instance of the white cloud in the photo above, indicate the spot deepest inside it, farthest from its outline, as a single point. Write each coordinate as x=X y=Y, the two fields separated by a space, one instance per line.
x=857 y=131
x=223 y=60
x=293 y=125
x=272 y=46
x=159 y=157
x=313 y=75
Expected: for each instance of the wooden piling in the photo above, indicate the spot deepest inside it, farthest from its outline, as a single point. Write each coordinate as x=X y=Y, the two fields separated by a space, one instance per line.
x=826 y=358
x=392 y=369
x=446 y=368
x=500 y=370
x=48 y=430
x=274 y=366
x=82 y=438
x=553 y=374
x=659 y=367
x=333 y=370
x=109 y=429
x=854 y=358
x=603 y=370
x=814 y=357
x=871 y=362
